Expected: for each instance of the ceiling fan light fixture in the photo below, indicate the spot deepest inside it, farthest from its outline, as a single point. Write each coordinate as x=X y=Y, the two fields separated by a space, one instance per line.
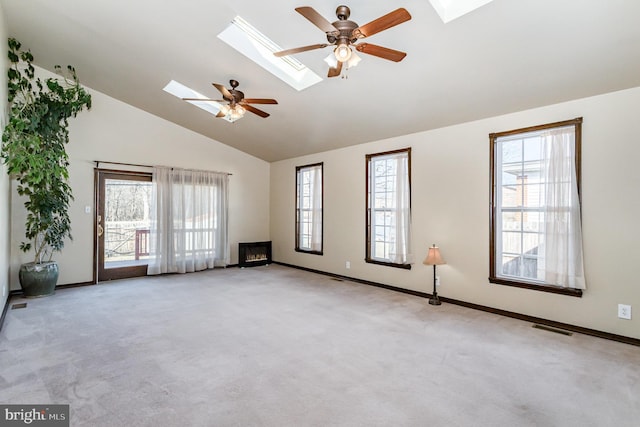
x=342 y=52
x=353 y=61
x=225 y=109
x=237 y=112
x=331 y=60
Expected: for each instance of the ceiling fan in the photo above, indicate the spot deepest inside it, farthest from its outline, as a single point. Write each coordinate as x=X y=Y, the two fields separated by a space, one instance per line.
x=343 y=34
x=237 y=104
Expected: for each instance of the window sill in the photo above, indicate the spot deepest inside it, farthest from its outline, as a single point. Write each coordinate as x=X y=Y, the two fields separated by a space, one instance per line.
x=304 y=251
x=388 y=264
x=536 y=287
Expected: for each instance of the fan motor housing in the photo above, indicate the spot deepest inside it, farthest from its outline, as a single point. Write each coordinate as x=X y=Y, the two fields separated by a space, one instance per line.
x=237 y=95
x=346 y=28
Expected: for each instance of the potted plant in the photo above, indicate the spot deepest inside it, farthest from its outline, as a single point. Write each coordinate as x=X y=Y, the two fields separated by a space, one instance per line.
x=34 y=150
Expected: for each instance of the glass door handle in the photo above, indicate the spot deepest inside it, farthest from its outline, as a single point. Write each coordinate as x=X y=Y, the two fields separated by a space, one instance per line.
x=100 y=230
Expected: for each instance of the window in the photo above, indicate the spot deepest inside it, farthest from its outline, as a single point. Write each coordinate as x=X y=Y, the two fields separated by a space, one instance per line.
x=536 y=236
x=189 y=220
x=389 y=208
x=309 y=208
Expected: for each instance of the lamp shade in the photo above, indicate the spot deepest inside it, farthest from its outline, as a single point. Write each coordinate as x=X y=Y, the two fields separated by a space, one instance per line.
x=331 y=60
x=353 y=61
x=434 y=257
x=342 y=52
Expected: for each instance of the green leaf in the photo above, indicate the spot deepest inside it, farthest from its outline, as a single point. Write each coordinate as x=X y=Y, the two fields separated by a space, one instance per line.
x=34 y=148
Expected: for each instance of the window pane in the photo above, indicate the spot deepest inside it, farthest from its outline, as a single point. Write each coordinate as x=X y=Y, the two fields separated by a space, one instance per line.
x=511 y=242
x=511 y=196
x=510 y=265
x=533 y=173
x=126 y=222
x=389 y=183
x=530 y=268
x=530 y=242
x=509 y=177
x=381 y=233
x=532 y=196
x=389 y=218
x=511 y=221
x=532 y=221
x=391 y=199
x=533 y=149
x=511 y=151
x=378 y=250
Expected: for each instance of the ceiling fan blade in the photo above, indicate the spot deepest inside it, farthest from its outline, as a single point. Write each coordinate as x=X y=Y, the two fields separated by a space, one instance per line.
x=300 y=49
x=316 y=19
x=203 y=99
x=387 y=21
x=254 y=110
x=259 y=101
x=335 y=72
x=381 y=52
x=223 y=90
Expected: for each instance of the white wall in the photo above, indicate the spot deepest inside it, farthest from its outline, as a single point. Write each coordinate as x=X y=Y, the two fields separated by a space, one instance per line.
x=450 y=207
x=5 y=194
x=117 y=132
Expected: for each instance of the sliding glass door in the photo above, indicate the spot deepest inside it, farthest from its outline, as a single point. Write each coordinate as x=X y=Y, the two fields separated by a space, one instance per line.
x=122 y=224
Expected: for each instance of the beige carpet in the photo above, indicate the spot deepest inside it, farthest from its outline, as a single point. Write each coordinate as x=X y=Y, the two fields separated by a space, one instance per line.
x=275 y=346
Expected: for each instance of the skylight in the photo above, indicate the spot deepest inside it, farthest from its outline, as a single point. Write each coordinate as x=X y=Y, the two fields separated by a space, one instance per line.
x=182 y=91
x=452 y=9
x=247 y=40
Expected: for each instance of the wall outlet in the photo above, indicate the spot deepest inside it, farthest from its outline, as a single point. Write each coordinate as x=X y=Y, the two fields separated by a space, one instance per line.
x=624 y=311
x=348 y=264
x=87 y=209
x=437 y=280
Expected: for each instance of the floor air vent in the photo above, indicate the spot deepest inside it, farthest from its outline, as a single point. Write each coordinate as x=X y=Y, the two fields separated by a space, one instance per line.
x=19 y=305
x=550 y=329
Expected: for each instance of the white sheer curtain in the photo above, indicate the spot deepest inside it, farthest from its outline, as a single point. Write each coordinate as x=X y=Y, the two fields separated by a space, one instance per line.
x=562 y=225
x=188 y=221
x=401 y=253
x=316 y=206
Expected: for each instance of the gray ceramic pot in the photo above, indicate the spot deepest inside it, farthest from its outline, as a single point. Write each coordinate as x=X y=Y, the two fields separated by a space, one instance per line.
x=38 y=280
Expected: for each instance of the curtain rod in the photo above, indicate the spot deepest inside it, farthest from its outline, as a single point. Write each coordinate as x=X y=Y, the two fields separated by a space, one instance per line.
x=97 y=162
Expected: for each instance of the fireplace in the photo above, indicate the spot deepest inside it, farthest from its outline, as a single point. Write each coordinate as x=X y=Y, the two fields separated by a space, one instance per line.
x=254 y=253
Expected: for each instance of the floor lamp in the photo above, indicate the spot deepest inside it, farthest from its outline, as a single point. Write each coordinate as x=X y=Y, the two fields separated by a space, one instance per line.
x=434 y=258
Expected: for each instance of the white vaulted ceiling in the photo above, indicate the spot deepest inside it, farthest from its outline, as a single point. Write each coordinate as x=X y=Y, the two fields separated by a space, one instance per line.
x=505 y=56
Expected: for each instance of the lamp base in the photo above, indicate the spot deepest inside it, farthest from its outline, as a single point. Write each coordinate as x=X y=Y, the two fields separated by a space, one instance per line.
x=434 y=300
